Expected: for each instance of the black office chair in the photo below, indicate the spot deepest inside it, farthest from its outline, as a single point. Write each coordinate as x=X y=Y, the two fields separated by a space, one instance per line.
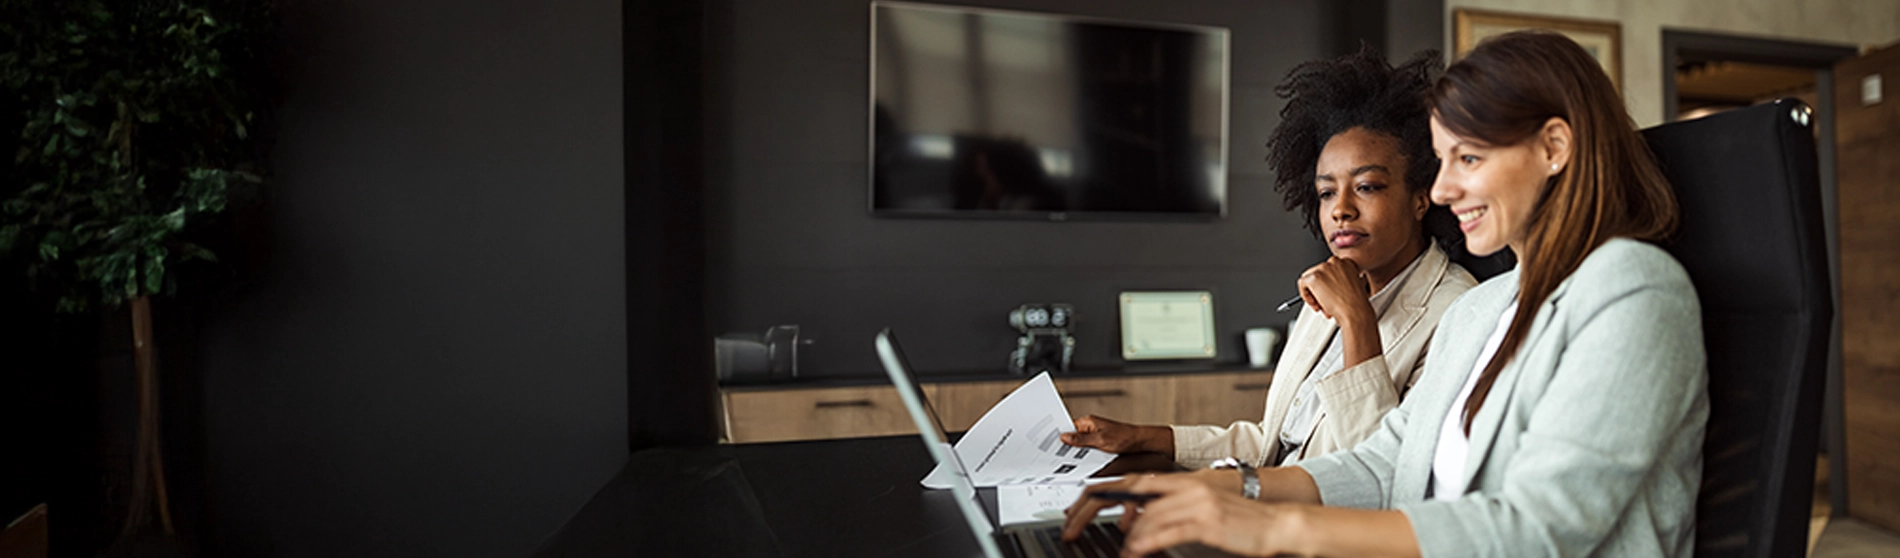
x=1752 y=241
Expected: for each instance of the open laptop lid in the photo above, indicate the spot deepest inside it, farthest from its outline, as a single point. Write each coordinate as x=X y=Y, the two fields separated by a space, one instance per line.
x=941 y=452
x=912 y=392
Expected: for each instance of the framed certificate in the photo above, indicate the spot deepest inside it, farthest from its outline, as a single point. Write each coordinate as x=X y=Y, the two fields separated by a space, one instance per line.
x=1602 y=39
x=1167 y=325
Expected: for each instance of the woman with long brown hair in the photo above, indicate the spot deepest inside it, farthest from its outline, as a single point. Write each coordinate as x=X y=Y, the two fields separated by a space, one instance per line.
x=1563 y=409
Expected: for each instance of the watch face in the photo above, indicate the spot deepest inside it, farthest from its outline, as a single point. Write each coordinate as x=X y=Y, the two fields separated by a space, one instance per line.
x=1036 y=317
x=1059 y=317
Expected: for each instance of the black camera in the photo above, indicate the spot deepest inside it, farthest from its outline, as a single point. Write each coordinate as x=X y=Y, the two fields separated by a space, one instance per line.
x=1046 y=344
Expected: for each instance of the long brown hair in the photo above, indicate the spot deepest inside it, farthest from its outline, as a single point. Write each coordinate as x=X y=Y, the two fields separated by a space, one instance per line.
x=1503 y=93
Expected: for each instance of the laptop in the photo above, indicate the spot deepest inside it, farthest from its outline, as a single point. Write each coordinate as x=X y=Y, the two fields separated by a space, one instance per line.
x=1028 y=540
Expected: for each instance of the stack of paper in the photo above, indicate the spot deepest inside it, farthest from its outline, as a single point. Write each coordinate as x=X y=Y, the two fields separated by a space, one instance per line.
x=1031 y=503
x=1018 y=442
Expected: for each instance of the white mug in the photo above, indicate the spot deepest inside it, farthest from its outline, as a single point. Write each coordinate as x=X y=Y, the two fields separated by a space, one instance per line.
x=1260 y=344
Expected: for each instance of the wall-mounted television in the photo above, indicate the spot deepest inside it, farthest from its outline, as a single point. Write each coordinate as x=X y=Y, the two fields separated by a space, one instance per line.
x=996 y=113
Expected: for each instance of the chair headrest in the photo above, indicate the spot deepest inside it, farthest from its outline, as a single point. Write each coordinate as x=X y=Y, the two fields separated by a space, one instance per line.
x=1746 y=182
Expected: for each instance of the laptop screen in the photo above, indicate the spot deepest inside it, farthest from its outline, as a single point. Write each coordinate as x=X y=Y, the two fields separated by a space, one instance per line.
x=898 y=368
x=931 y=429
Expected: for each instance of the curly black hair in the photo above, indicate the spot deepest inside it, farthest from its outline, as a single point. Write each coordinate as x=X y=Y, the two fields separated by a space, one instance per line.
x=1359 y=90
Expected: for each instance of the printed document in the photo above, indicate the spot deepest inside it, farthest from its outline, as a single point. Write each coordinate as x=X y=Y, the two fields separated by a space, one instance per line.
x=1034 y=503
x=1017 y=442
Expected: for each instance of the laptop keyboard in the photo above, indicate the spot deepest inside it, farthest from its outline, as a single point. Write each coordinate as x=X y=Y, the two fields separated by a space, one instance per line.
x=1102 y=540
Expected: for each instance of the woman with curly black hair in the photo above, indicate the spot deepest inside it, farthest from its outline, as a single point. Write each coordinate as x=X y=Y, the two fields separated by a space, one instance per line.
x=1352 y=154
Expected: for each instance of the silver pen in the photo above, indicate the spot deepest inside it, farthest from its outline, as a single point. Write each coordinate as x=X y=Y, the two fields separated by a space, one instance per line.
x=1284 y=306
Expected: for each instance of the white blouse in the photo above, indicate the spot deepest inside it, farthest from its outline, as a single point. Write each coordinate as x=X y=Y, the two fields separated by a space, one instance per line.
x=1448 y=462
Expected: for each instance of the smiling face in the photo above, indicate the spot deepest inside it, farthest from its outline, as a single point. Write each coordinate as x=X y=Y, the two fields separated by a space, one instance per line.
x=1494 y=189
x=1366 y=212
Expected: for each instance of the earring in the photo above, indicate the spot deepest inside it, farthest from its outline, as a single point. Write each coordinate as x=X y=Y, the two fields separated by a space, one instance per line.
x=1553 y=167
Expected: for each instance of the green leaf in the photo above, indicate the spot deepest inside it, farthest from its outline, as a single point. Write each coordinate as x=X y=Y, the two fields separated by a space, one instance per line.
x=101 y=216
x=190 y=251
x=154 y=270
x=174 y=221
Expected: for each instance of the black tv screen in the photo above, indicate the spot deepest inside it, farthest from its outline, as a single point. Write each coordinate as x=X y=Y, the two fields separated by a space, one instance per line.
x=993 y=113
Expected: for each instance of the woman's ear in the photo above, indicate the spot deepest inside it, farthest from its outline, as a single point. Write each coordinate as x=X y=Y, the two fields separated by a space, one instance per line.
x=1421 y=203
x=1556 y=145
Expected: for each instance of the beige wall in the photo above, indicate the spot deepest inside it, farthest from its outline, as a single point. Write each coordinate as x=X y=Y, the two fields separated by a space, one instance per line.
x=1865 y=23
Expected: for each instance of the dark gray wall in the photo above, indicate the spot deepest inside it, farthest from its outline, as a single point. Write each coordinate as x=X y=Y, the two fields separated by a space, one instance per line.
x=790 y=240
x=433 y=361
x=1412 y=26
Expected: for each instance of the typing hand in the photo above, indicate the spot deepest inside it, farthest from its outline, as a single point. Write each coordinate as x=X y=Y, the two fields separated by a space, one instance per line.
x=1089 y=505
x=1189 y=509
x=1083 y=512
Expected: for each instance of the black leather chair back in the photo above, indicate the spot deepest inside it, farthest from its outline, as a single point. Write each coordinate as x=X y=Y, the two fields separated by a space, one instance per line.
x=1751 y=239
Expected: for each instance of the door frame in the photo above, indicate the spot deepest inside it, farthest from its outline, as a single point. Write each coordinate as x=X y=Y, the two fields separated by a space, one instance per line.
x=1678 y=45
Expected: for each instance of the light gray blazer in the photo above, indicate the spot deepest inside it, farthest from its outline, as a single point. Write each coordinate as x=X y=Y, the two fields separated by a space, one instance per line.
x=1590 y=443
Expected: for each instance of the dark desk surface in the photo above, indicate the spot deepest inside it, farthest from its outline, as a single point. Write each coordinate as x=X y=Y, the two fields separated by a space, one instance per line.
x=857 y=497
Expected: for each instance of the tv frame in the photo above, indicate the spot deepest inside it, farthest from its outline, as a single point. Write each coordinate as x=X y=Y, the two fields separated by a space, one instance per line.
x=1226 y=121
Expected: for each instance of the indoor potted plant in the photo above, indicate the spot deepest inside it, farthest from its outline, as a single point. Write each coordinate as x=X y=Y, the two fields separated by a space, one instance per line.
x=138 y=118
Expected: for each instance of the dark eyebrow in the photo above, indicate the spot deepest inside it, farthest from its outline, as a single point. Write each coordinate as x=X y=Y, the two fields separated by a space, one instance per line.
x=1355 y=172
x=1370 y=168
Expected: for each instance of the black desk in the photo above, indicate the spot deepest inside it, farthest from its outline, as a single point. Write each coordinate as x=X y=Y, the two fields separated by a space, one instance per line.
x=856 y=497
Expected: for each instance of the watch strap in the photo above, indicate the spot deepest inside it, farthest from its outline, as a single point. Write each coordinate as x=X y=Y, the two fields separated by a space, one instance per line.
x=1249 y=478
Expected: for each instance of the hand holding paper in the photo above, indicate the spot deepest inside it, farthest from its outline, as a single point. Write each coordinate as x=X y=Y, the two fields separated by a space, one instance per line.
x=1019 y=442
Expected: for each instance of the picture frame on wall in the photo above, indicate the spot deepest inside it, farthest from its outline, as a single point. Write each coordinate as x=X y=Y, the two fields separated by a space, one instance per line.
x=1603 y=39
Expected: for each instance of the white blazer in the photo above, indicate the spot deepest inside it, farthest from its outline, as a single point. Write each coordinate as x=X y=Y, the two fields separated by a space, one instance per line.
x=1351 y=400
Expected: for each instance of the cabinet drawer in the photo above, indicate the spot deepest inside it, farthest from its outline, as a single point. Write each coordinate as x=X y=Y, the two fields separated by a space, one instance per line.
x=776 y=415
x=1142 y=400
x=960 y=404
x=815 y=414
x=1138 y=400
x=1220 y=399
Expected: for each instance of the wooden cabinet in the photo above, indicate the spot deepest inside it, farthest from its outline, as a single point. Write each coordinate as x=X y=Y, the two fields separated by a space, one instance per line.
x=772 y=414
x=959 y=404
x=1137 y=399
x=812 y=414
x=1220 y=399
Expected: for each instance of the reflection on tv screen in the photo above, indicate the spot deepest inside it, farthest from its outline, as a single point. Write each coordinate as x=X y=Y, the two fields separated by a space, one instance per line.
x=997 y=113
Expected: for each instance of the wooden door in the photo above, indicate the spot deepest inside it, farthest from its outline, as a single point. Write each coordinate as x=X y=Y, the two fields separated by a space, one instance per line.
x=1868 y=164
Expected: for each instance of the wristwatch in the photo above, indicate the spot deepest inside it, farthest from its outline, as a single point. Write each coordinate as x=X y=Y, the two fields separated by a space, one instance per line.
x=1249 y=479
